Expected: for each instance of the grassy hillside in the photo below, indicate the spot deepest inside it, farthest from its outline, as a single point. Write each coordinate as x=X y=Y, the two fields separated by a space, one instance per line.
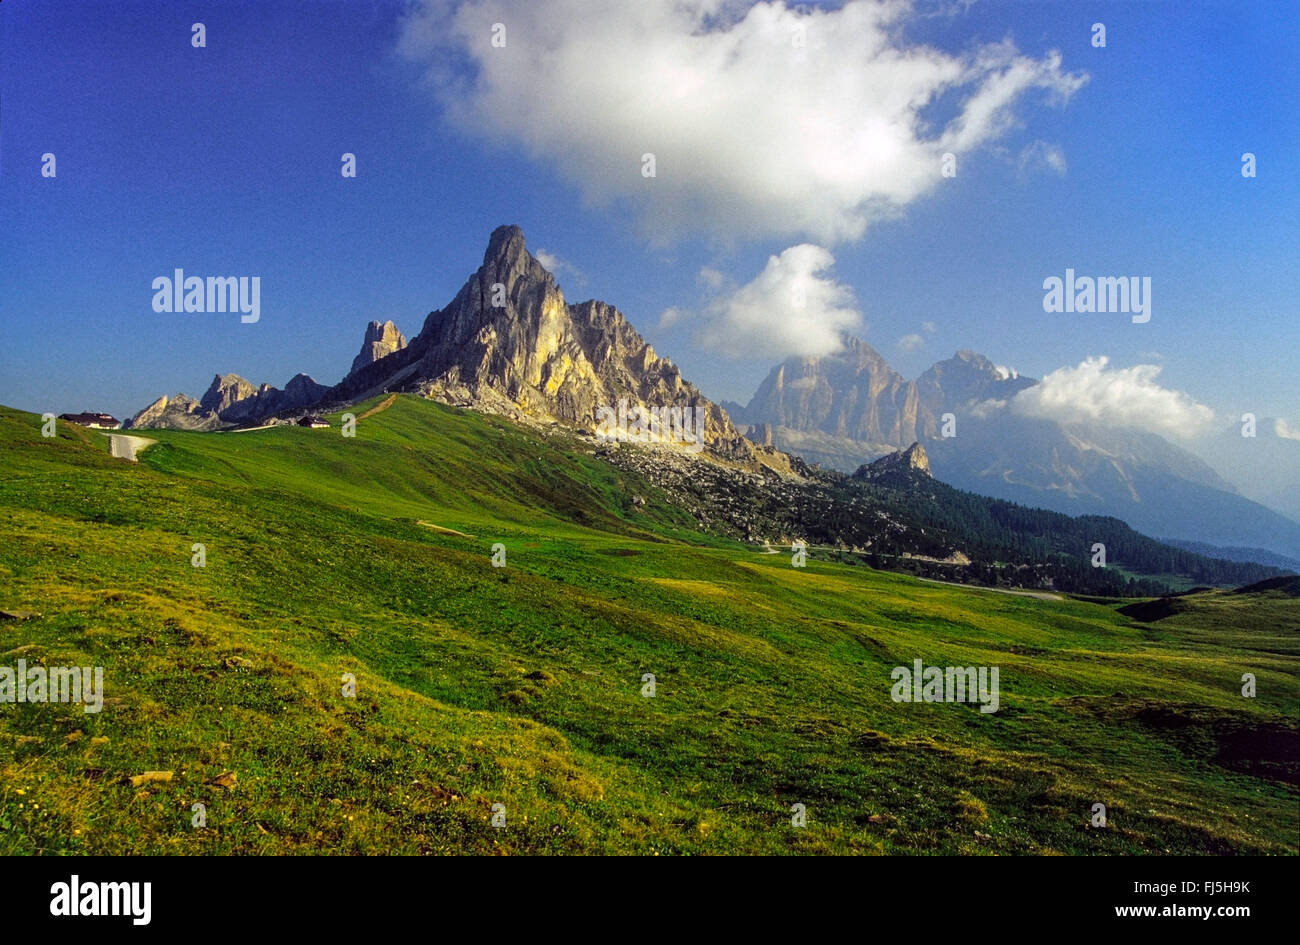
x=522 y=685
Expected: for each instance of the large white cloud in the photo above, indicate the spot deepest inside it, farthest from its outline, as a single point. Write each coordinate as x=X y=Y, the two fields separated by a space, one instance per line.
x=752 y=132
x=793 y=307
x=1121 y=397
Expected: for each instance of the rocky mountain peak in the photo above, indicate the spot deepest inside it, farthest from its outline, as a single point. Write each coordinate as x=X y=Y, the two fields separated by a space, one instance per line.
x=853 y=394
x=965 y=378
x=225 y=391
x=302 y=383
x=862 y=355
x=177 y=413
x=506 y=246
x=509 y=343
x=229 y=400
x=507 y=262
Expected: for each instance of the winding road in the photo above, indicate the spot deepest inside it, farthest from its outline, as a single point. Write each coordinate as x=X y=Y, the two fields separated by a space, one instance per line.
x=1039 y=595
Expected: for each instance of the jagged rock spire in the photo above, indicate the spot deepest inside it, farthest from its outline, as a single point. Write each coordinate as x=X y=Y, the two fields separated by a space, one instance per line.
x=381 y=340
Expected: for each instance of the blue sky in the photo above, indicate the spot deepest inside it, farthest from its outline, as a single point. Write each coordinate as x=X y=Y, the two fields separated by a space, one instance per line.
x=225 y=161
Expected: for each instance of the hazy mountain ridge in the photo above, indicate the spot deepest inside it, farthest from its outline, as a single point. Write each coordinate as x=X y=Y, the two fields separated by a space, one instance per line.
x=1253 y=555
x=853 y=394
x=1076 y=468
x=1266 y=466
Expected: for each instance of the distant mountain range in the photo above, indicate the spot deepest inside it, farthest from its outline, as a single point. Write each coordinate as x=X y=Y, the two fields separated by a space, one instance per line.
x=1256 y=555
x=509 y=343
x=229 y=401
x=845 y=409
x=1265 y=466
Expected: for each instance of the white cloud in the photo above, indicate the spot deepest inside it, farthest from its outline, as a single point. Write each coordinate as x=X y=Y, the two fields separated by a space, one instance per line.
x=1122 y=397
x=1041 y=156
x=1285 y=430
x=986 y=408
x=670 y=316
x=557 y=266
x=928 y=328
x=791 y=308
x=710 y=279
x=911 y=342
x=751 y=132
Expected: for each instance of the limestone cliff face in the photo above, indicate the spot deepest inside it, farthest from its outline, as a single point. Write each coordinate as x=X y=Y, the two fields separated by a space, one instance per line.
x=854 y=394
x=382 y=339
x=224 y=391
x=849 y=407
x=509 y=342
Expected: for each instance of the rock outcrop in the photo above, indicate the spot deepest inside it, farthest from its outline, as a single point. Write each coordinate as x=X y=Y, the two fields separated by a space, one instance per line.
x=902 y=466
x=382 y=339
x=172 y=413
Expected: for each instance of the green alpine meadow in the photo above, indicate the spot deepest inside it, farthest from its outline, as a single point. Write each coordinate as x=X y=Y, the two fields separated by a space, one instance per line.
x=455 y=633
x=648 y=428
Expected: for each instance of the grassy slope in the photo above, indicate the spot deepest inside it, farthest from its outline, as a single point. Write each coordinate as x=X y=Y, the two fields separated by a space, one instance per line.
x=522 y=685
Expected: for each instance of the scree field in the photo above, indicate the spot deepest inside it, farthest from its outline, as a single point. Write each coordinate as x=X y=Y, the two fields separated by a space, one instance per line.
x=522 y=686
